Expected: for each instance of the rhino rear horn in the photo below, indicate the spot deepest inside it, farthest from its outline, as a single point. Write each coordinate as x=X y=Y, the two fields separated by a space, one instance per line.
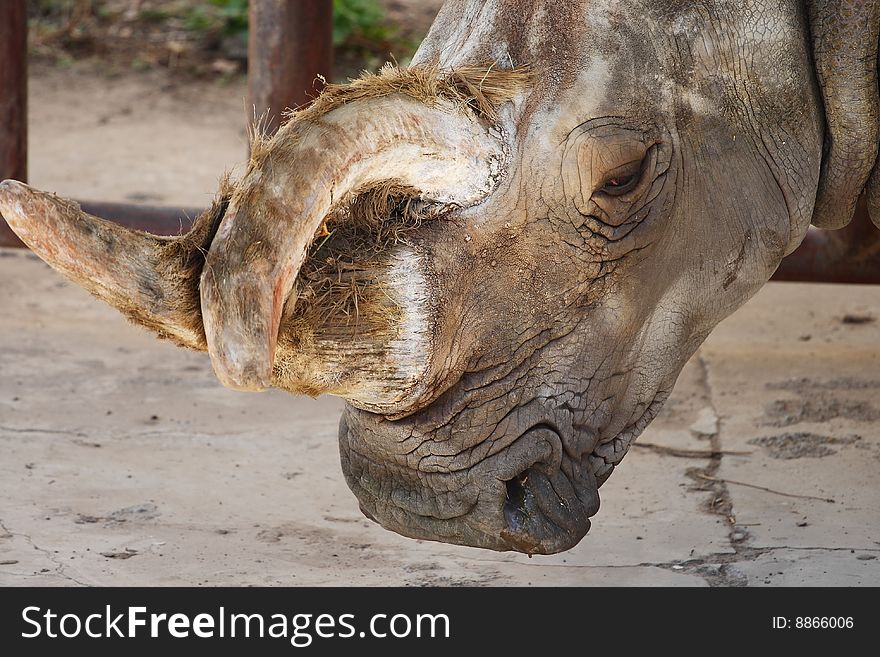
x=152 y=280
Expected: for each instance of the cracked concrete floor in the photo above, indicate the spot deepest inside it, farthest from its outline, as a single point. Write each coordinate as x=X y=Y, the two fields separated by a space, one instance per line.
x=125 y=463
x=122 y=461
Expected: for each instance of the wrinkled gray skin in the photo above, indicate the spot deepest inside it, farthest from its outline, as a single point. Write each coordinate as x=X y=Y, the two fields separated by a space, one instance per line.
x=663 y=160
x=573 y=311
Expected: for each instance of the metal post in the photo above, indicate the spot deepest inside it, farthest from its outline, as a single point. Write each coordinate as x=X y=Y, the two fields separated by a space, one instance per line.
x=13 y=99
x=290 y=43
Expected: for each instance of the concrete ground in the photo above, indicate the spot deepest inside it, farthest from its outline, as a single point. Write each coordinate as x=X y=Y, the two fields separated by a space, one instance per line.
x=123 y=462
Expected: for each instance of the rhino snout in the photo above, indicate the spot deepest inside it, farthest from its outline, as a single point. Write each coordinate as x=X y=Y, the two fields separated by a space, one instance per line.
x=531 y=496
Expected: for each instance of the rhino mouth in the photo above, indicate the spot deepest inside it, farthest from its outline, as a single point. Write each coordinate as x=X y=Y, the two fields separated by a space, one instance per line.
x=529 y=498
x=547 y=512
x=536 y=495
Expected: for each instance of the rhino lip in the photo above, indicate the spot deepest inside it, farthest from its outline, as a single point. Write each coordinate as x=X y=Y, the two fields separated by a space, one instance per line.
x=546 y=508
x=535 y=495
x=541 y=522
x=532 y=506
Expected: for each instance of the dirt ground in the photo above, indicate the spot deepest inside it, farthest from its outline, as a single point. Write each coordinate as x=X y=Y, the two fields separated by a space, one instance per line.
x=126 y=463
x=101 y=131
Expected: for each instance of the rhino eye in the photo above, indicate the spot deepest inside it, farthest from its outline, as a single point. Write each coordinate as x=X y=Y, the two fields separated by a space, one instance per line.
x=616 y=186
x=623 y=179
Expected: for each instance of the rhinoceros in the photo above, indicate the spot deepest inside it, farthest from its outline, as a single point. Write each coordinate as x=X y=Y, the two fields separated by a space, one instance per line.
x=502 y=256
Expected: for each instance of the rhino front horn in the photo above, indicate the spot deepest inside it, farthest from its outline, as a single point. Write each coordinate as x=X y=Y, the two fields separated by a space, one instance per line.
x=152 y=280
x=318 y=161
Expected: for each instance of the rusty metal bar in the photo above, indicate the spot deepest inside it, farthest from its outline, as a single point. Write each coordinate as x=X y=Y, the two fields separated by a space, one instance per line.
x=289 y=45
x=13 y=99
x=159 y=220
x=848 y=255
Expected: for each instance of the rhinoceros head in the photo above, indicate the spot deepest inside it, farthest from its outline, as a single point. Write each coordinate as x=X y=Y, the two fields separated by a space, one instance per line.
x=502 y=256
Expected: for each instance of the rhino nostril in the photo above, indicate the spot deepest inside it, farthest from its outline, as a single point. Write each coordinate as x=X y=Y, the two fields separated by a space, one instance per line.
x=547 y=510
x=516 y=501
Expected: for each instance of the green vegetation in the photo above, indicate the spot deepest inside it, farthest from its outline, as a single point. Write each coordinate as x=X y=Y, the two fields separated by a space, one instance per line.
x=196 y=34
x=226 y=16
x=355 y=22
x=363 y=20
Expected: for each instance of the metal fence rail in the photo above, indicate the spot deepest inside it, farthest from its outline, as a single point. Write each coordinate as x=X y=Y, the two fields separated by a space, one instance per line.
x=290 y=45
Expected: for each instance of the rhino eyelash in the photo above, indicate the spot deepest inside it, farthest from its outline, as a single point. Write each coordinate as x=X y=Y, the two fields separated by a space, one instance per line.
x=619 y=185
x=622 y=183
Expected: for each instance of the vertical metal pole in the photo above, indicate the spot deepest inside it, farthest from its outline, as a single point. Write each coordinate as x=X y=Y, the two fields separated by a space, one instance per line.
x=13 y=99
x=290 y=43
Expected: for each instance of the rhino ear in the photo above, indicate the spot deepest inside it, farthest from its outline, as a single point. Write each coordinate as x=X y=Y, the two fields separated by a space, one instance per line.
x=844 y=39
